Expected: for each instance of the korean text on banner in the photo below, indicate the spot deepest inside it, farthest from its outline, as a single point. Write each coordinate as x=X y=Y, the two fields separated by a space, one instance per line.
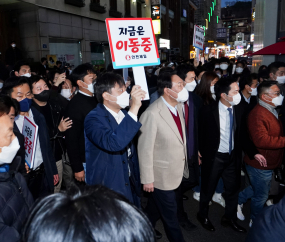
x=132 y=42
x=30 y=132
x=198 y=37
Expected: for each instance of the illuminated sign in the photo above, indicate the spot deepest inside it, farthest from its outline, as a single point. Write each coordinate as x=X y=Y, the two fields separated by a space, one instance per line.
x=251 y=37
x=156 y=26
x=253 y=14
x=155 y=11
x=164 y=43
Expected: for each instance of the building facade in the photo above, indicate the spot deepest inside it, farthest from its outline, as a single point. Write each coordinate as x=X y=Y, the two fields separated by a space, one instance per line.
x=73 y=30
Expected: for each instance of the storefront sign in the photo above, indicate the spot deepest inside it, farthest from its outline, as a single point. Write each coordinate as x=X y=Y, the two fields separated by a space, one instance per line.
x=132 y=42
x=155 y=11
x=164 y=43
x=198 y=37
x=30 y=132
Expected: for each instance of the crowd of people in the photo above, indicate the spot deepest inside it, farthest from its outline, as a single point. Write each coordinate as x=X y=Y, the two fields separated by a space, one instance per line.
x=101 y=147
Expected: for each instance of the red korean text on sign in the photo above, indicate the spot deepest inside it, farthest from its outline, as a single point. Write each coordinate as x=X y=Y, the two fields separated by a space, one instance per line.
x=28 y=145
x=134 y=44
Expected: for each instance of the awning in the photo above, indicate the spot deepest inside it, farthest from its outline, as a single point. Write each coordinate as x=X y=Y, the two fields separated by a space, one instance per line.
x=249 y=53
x=275 y=49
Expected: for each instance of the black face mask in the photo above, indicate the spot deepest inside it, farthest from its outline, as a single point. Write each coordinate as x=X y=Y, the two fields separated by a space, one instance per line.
x=43 y=96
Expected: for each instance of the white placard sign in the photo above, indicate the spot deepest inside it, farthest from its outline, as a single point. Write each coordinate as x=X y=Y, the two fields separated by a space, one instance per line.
x=198 y=37
x=30 y=132
x=132 y=42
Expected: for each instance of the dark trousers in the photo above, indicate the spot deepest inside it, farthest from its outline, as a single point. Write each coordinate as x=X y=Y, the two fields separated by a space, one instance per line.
x=224 y=165
x=162 y=204
x=184 y=187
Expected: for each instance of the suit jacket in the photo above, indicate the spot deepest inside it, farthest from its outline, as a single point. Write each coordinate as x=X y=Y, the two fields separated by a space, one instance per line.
x=209 y=134
x=161 y=150
x=48 y=158
x=106 y=152
x=193 y=161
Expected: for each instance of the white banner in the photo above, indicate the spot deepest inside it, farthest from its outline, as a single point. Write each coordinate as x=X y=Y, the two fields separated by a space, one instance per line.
x=198 y=37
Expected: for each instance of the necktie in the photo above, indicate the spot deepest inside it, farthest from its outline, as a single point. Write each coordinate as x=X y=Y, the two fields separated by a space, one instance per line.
x=231 y=130
x=186 y=110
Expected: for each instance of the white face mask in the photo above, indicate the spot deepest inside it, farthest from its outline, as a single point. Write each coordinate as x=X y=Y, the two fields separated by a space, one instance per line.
x=66 y=93
x=253 y=92
x=123 y=100
x=90 y=87
x=149 y=71
x=212 y=89
x=224 y=66
x=198 y=81
x=9 y=152
x=277 y=101
x=281 y=79
x=239 y=70
x=27 y=74
x=236 y=99
x=219 y=75
x=217 y=66
x=13 y=45
x=191 y=86
x=1 y=85
x=182 y=95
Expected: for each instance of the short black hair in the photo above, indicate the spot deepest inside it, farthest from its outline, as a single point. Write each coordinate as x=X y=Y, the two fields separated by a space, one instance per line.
x=105 y=83
x=43 y=59
x=274 y=66
x=223 y=86
x=240 y=62
x=264 y=86
x=264 y=74
x=8 y=102
x=58 y=62
x=224 y=59
x=95 y=214
x=164 y=80
x=12 y=82
x=4 y=108
x=34 y=79
x=247 y=80
x=182 y=71
x=80 y=72
x=19 y=64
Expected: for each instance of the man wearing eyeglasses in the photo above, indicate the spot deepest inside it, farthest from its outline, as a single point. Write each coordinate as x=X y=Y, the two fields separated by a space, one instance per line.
x=265 y=130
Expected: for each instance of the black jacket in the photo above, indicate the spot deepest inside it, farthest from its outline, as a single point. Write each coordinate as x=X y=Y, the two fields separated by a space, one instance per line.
x=209 y=133
x=56 y=137
x=15 y=203
x=77 y=109
x=12 y=56
x=48 y=157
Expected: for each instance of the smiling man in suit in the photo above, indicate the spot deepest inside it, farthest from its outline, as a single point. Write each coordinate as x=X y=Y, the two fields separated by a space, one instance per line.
x=163 y=154
x=220 y=148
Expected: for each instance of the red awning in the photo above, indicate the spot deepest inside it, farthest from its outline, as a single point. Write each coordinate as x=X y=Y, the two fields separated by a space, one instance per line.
x=249 y=53
x=275 y=49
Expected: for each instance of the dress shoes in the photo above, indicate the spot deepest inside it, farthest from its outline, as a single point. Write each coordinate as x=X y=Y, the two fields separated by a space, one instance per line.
x=187 y=225
x=185 y=197
x=233 y=224
x=206 y=223
x=158 y=235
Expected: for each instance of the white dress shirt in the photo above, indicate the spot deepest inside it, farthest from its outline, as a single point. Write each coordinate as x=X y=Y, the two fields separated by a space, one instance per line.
x=225 y=128
x=38 y=159
x=246 y=99
x=171 y=108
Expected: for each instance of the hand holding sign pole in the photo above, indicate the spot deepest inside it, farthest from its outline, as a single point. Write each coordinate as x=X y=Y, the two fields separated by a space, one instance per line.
x=132 y=44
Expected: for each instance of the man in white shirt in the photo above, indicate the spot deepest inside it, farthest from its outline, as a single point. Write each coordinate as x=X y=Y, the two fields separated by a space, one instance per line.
x=43 y=175
x=111 y=158
x=220 y=148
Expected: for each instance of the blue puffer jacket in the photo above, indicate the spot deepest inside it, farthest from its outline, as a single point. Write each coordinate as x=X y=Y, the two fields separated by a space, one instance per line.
x=15 y=203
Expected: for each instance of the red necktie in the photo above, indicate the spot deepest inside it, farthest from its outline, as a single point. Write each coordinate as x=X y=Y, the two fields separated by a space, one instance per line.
x=186 y=107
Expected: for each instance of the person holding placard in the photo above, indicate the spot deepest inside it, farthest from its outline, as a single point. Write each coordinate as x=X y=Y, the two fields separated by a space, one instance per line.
x=111 y=157
x=43 y=175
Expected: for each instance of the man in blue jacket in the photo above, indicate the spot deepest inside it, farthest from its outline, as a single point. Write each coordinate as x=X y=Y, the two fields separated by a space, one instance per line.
x=111 y=157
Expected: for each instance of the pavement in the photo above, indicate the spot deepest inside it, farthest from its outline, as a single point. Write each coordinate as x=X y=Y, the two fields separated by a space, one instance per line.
x=200 y=234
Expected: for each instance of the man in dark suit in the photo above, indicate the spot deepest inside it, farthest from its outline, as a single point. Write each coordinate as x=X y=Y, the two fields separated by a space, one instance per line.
x=77 y=109
x=190 y=111
x=219 y=145
x=43 y=175
x=111 y=157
